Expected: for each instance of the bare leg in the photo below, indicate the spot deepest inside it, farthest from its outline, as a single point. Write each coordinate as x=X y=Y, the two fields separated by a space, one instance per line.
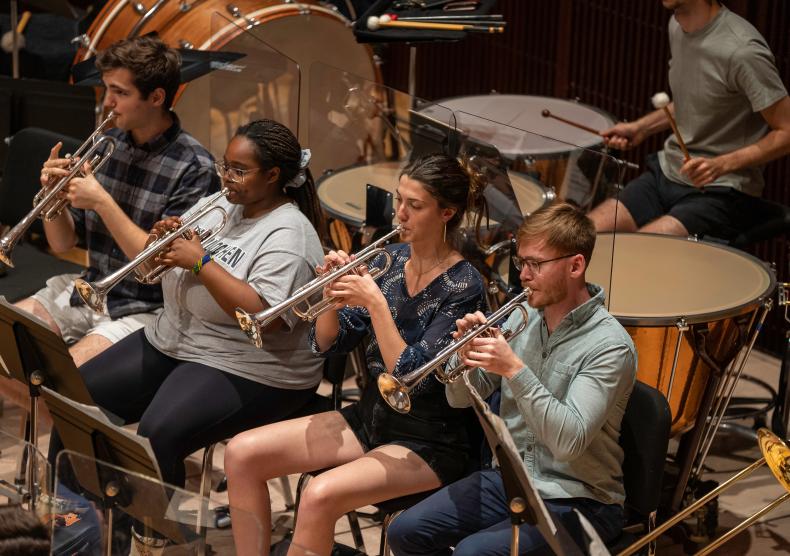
x=666 y=224
x=294 y=446
x=36 y=309
x=603 y=216
x=88 y=347
x=387 y=472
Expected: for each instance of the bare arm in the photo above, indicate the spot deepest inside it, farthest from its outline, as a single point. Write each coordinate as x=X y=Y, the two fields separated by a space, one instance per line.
x=627 y=135
x=776 y=143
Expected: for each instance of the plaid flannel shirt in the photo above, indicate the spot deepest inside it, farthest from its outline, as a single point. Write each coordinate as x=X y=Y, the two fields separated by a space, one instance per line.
x=162 y=177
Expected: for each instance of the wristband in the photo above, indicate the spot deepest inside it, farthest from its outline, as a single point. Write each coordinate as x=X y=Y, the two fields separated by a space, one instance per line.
x=204 y=260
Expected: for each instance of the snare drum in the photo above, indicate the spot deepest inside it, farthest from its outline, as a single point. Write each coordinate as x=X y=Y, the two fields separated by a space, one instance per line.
x=305 y=32
x=658 y=285
x=342 y=194
x=547 y=147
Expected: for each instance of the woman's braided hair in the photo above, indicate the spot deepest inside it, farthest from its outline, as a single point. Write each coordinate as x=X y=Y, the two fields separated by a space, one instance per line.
x=276 y=145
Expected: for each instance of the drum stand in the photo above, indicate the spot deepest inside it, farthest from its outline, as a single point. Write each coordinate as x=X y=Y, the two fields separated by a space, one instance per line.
x=781 y=418
x=695 y=446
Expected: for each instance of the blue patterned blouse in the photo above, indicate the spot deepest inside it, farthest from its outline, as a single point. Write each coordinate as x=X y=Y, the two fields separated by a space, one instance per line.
x=425 y=322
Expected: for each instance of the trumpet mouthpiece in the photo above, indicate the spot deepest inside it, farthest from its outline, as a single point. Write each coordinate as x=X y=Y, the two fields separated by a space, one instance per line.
x=660 y=100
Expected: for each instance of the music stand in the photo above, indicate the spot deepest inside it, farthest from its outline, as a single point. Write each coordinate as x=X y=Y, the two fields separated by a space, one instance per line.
x=34 y=355
x=524 y=503
x=116 y=465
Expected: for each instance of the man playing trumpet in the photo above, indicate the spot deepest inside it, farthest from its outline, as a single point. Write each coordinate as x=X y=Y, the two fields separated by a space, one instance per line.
x=733 y=113
x=565 y=382
x=156 y=170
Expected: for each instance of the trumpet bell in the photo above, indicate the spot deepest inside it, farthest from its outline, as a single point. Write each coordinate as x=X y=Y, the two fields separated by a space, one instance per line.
x=5 y=255
x=394 y=393
x=250 y=327
x=90 y=295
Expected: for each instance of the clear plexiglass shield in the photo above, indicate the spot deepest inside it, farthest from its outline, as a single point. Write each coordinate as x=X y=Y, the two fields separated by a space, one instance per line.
x=97 y=504
x=250 y=80
x=545 y=165
x=25 y=475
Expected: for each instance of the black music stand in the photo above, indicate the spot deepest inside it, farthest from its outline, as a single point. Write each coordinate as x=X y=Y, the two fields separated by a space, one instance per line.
x=34 y=355
x=524 y=502
x=118 y=464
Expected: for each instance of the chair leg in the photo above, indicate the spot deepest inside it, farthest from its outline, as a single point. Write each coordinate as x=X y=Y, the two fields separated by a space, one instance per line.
x=287 y=495
x=356 y=532
x=205 y=490
x=651 y=524
x=384 y=545
x=303 y=478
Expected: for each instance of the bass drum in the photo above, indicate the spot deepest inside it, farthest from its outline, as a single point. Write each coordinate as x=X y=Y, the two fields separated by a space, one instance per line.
x=305 y=32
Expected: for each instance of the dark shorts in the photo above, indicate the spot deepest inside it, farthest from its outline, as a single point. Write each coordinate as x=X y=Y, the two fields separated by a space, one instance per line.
x=443 y=445
x=710 y=211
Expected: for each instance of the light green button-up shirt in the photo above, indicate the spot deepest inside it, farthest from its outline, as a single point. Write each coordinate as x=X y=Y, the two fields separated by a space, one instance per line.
x=564 y=408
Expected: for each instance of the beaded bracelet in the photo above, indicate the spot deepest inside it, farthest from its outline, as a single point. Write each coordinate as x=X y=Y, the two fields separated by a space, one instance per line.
x=201 y=263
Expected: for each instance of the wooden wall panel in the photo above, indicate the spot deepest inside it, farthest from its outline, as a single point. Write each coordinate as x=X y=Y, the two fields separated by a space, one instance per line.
x=608 y=53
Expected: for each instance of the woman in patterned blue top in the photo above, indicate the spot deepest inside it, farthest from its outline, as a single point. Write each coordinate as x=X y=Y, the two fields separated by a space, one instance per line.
x=410 y=311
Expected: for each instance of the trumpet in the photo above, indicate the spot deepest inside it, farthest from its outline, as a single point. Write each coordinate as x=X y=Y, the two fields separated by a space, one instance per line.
x=395 y=391
x=253 y=325
x=144 y=265
x=47 y=204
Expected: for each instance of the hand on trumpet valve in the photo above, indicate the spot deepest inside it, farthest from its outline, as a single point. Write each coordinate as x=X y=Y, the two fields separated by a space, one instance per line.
x=162 y=228
x=86 y=192
x=55 y=167
x=356 y=289
x=183 y=251
x=489 y=351
x=623 y=136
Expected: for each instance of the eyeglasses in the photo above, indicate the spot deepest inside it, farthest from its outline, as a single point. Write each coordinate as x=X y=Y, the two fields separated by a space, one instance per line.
x=231 y=174
x=534 y=264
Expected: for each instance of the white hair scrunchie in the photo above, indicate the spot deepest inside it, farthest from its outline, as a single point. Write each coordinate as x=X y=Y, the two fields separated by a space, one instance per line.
x=300 y=177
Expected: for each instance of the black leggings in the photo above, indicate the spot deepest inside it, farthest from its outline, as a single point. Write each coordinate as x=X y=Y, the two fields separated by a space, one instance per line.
x=181 y=406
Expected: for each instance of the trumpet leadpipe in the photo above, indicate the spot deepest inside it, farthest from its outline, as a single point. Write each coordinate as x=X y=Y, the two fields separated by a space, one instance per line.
x=253 y=324
x=396 y=390
x=95 y=294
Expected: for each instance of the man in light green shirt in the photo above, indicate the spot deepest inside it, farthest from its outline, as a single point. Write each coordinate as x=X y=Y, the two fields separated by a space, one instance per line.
x=565 y=382
x=732 y=113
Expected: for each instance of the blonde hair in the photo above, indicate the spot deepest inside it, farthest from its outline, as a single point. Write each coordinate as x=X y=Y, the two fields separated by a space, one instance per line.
x=563 y=227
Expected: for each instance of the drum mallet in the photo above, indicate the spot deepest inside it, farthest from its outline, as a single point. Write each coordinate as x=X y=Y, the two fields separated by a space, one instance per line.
x=661 y=101
x=7 y=41
x=546 y=113
x=375 y=23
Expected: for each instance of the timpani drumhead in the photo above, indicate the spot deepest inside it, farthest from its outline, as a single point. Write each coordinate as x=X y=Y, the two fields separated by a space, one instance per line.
x=523 y=113
x=343 y=193
x=656 y=279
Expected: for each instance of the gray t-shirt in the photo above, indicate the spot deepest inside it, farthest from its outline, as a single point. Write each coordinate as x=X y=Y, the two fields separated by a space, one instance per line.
x=275 y=253
x=721 y=77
